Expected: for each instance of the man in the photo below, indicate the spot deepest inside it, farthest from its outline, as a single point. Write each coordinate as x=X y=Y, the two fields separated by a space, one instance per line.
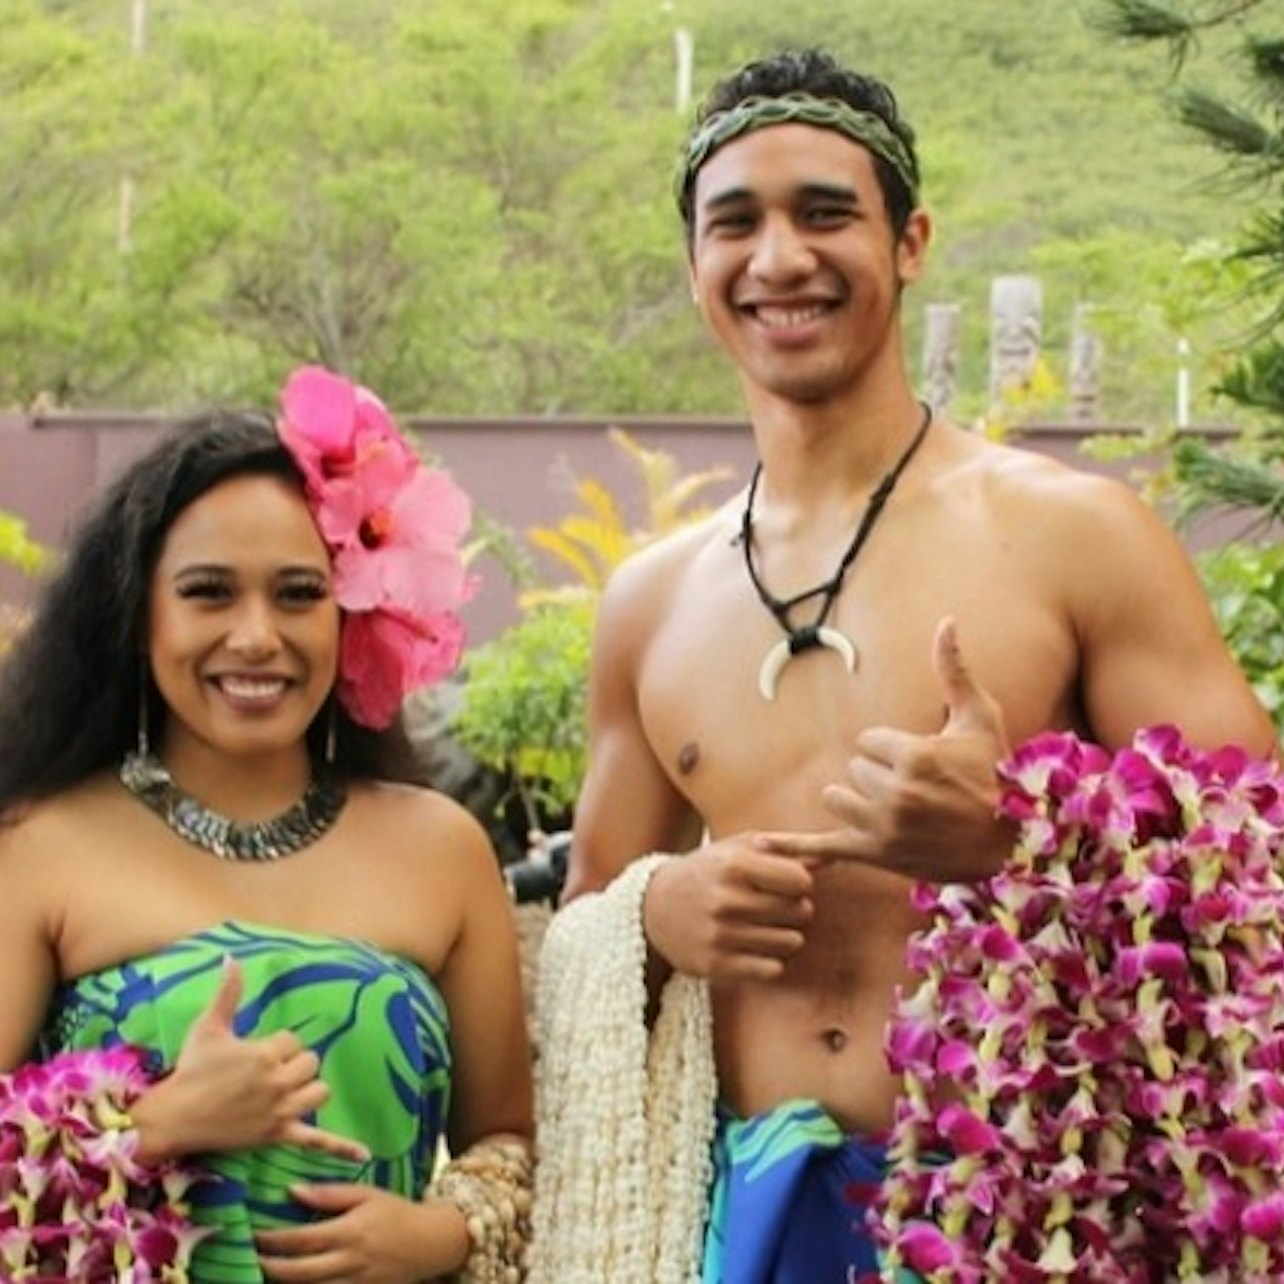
x=809 y=691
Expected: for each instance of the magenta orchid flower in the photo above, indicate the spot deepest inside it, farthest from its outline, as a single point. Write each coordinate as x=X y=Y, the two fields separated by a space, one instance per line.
x=1094 y=1058
x=75 y=1204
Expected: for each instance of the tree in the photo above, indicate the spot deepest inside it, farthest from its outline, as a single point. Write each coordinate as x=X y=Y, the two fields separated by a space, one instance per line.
x=1245 y=126
x=465 y=203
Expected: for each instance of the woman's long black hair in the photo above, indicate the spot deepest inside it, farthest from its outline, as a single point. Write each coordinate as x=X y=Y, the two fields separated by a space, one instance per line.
x=71 y=684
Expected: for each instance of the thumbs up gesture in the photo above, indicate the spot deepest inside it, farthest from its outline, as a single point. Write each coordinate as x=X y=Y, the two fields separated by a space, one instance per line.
x=227 y=1092
x=921 y=805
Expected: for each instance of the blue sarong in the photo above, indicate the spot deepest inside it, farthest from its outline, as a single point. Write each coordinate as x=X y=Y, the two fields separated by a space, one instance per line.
x=791 y=1200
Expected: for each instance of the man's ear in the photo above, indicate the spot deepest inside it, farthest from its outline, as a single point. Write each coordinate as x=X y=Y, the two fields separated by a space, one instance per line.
x=911 y=249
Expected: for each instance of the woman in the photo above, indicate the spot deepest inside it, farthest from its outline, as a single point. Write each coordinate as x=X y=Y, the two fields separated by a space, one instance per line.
x=203 y=855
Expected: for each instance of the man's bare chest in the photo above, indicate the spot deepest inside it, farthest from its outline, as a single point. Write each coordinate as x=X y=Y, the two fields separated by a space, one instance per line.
x=744 y=750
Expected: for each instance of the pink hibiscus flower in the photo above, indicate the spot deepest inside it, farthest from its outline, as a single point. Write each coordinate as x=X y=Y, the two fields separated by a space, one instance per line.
x=396 y=543
x=333 y=427
x=393 y=527
x=383 y=655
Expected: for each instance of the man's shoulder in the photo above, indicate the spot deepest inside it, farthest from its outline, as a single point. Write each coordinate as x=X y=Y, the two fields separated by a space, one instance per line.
x=1022 y=477
x=667 y=558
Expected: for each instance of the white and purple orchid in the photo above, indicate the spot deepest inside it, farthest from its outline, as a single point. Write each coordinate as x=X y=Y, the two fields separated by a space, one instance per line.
x=1094 y=1061
x=76 y=1204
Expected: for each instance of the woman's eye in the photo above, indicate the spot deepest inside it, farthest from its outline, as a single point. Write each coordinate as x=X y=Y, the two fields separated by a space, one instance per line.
x=203 y=590
x=304 y=593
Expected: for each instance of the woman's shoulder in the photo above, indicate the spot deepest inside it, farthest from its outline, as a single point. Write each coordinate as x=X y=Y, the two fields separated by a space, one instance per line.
x=422 y=822
x=57 y=823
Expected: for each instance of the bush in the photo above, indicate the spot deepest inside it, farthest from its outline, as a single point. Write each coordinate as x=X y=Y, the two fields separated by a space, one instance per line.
x=18 y=549
x=523 y=711
x=1245 y=583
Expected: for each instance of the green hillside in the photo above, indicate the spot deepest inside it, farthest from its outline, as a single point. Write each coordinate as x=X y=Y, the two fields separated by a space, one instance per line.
x=466 y=204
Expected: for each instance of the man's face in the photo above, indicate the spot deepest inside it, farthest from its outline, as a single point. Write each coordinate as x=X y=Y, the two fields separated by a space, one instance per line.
x=794 y=263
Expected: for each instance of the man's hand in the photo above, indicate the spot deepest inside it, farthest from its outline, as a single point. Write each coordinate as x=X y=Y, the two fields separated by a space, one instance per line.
x=922 y=806
x=729 y=910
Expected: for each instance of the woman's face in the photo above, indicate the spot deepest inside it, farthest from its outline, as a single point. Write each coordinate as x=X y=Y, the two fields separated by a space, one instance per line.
x=243 y=629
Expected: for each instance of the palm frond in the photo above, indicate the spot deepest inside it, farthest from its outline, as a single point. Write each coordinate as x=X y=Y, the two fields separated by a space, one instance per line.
x=1212 y=478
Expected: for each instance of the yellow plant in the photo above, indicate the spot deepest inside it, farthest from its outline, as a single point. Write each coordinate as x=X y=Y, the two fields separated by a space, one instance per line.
x=593 y=542
x=1020 y=402
x=523 y=710
x=18 y=549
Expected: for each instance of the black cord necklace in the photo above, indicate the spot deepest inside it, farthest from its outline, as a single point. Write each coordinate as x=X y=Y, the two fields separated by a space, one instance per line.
x=807 y=637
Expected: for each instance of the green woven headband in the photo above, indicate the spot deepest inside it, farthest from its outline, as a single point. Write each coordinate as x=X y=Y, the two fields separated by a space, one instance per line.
x=864 y=127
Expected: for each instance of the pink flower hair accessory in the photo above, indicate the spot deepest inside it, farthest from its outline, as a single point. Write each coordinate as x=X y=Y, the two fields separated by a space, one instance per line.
x=394 y=527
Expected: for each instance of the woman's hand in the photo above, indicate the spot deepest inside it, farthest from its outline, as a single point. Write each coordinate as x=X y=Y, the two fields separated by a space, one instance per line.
x=368 y=1236
x=230 y=1093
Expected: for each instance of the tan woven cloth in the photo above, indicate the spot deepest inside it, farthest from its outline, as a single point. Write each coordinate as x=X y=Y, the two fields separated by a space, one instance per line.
x=625 y=1116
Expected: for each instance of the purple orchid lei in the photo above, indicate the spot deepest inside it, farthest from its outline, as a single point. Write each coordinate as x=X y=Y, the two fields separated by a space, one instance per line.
x=76 y=1206
x=1094 y=1061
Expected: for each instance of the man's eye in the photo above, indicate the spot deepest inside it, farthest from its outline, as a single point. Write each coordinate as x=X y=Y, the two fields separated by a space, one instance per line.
x=828 y=214
x=731 y=223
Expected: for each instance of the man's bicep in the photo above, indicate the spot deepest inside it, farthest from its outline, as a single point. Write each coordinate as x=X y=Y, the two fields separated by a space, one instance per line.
x=1153 y=652
x=626 y=809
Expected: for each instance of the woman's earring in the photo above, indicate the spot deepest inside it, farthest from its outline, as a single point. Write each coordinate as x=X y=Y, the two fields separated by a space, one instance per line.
x=144 y=741
x=331 y=732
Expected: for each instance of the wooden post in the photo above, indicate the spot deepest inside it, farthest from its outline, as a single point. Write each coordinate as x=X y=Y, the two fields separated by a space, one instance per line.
x=1016 y=327
x=1085 y=367
x=125 y=204
x=940 y=354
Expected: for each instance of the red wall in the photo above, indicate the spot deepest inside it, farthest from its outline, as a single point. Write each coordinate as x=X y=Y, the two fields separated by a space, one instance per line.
x=520 y=473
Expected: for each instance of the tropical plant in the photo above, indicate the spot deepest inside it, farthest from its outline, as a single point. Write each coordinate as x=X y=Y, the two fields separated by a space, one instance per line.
x=523 y=711
x=17 y=549
x=1245 y=583
x=1246 y=128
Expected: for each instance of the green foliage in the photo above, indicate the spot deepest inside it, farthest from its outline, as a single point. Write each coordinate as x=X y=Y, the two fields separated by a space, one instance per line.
x=467 y=204
x=1245 y=583
x=1208 y=476
x=17 y=548
x=1244 y=124
x=523 y=709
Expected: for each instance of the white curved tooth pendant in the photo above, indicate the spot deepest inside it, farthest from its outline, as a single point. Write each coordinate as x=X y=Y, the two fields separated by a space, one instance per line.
x=774 y=661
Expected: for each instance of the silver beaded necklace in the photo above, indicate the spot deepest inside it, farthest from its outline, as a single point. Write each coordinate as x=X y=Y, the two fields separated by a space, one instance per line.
x=146 y=777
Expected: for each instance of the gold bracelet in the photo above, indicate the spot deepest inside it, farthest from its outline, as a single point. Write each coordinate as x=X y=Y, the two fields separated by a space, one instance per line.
x=490 y=1183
